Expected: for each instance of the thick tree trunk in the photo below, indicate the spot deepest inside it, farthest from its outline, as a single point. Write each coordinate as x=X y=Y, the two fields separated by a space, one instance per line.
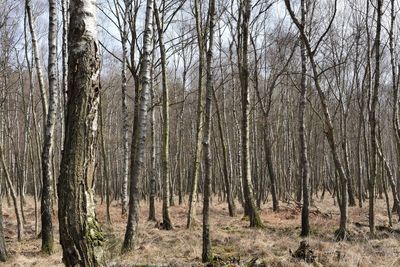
x=81 y=236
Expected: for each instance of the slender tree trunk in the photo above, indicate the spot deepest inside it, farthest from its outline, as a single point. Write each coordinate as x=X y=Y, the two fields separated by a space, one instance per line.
x=35 y=193
x=271 y=171
x=395 y=116
x=372 y=121
x=206 y=254
x=328 y=128
x=20 y=226
x=389 y=176
x=304 y=165
x=32 y=140
x=125 y=132
x=139 y=134
x=153 y=172
x=225 y=167
x=250 y=207
x=105 y=175
x=350 y=190
x=38 y=63
x=199 y=120
x=81 y=236
x=165 y=169
x=48 y=145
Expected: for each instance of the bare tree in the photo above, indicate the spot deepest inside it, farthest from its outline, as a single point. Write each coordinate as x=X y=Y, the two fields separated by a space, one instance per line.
x=76 y=206
x=124 y=41
x=243 y=43
x=206 y=255
x=373 y=119
x=304 y=165
x=328 y=123
x=165 y=170
x=139 y=134
x=200 y=118
x=48 y=145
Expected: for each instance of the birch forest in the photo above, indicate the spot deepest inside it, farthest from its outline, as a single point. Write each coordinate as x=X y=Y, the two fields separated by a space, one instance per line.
x=200 y=133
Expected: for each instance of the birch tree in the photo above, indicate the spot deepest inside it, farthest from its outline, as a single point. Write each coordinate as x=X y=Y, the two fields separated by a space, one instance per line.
x=243 y=64
x=328 y=123
x=48 y=145
x=199 y=116
x=165 y=170
x=124 y=41
x=81 y=236
x=139 y=133
x=304 y=165
x=206 y=255
x=373 y=118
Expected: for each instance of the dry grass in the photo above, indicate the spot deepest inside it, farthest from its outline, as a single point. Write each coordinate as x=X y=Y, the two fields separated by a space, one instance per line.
x=231 y=238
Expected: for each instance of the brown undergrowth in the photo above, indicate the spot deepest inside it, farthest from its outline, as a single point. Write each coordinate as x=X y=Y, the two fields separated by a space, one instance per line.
x=234 y=244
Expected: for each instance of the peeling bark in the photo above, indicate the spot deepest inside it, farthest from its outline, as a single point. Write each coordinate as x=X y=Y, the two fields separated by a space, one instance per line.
x=81 y=236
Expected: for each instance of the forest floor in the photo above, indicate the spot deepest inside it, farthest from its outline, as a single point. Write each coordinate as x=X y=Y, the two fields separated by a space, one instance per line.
x=233 y=242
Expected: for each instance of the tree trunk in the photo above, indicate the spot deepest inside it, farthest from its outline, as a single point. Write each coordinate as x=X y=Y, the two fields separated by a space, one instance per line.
x=81 y=236
x=20 y=226
x=250 y=207
x=225 y=167
x=124 y=38
x=199 y=120
x=271 y=171
x=47 y=153
x=153 y=172
x=139 y=133
x=64 y=53
x=206 y=254
x=372 y=121
x=36 y=54
x=395 y=116
x=166 y=224
x=328 y=127
x=304 y=165
x=105 y=175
